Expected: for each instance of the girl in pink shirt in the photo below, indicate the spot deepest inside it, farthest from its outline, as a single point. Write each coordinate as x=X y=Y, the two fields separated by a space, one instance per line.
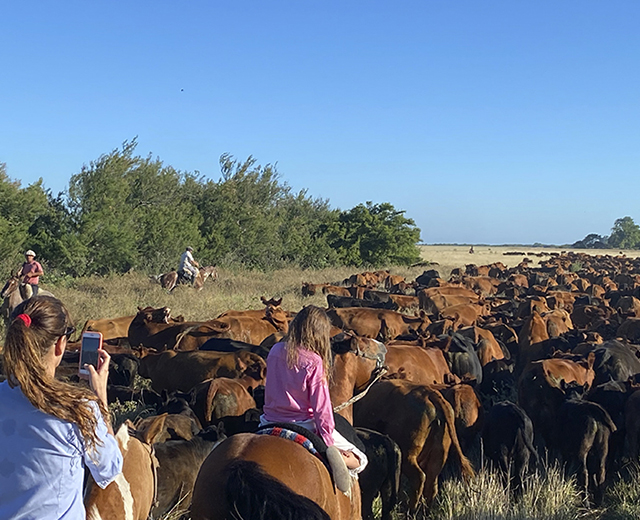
x=297 y=389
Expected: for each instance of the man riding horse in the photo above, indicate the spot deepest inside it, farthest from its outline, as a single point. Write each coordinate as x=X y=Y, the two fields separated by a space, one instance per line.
x=188 y=268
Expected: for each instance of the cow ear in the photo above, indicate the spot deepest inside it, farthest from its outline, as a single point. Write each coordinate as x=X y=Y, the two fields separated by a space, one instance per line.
x=152 y=434
x=276 y=303
x=264 y=300
x=591 y=358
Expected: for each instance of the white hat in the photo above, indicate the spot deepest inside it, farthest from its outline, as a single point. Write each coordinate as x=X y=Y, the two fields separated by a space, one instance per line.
x=30 y=252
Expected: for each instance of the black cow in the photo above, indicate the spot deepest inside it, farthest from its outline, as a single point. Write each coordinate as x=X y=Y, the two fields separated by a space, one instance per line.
x=382 y=474
x=461 y=355
x=232 y=345
x=615 y=361
x=340 y=302
x=508 y=441
x=582 y=432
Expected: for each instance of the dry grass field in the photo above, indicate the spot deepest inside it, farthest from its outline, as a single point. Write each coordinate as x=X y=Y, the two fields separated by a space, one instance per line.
x=451 y=256
x=548 y=494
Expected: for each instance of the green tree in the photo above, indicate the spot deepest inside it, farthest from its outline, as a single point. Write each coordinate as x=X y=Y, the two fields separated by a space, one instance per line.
x=19 y=208
x=132 y=212
x=375 y=235
x=625 y=234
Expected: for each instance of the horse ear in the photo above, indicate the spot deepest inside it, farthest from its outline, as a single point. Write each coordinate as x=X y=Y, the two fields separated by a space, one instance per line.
x=152 y=434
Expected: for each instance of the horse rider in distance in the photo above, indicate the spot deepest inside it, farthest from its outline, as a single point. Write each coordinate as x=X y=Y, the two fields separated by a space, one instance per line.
x=188 y=268
x=30 y=272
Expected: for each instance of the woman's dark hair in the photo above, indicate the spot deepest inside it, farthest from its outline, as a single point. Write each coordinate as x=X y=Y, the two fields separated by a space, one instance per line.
x=24 y=350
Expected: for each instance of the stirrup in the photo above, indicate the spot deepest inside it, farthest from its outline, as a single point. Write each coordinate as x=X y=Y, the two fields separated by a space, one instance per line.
x=339 y=469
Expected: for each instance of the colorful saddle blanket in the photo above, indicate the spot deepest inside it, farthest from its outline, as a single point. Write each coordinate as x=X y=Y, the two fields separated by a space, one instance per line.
x=296 y=437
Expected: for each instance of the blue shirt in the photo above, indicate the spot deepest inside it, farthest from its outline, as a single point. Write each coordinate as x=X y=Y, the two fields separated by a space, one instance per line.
x=41 y=461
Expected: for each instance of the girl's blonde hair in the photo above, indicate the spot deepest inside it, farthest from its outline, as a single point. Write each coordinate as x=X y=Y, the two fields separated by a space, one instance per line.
x=310 y=330
x=24 y=350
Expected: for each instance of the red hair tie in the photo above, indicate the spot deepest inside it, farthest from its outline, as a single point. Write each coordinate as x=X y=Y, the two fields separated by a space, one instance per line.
x=25 y=318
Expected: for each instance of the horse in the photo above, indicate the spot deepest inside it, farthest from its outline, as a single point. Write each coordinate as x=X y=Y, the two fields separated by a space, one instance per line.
x=172 y=279
x=14 y=293
x=133 y=492
x=261 y=476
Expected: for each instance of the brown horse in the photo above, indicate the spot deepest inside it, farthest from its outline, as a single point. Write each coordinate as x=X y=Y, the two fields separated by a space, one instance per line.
x=263 y=477
x=131 y=495
x=14 y=293
x=171 y=280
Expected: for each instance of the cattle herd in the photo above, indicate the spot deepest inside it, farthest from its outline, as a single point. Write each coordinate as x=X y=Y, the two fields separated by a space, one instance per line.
x=529 y=360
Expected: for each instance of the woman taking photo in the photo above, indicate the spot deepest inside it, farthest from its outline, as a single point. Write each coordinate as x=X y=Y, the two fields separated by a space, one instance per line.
x=49 y=428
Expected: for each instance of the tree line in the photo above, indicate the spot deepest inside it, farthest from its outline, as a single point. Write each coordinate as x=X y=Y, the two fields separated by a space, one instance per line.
x=124 y=211
x=625 y=234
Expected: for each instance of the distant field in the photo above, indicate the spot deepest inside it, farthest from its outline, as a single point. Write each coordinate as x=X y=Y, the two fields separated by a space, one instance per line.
x=452 y=256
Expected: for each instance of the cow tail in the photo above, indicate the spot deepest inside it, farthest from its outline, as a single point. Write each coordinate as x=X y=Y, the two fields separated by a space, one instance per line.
x=211 y=395
x=394 y=470
x=255 y=495
x=603 y=417
x=465 y=464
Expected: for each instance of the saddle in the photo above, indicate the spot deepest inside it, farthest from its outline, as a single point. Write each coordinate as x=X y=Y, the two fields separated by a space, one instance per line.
x=329 y=455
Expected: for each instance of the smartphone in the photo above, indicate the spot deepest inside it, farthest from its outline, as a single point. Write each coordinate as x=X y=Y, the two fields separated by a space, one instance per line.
x=91 y=343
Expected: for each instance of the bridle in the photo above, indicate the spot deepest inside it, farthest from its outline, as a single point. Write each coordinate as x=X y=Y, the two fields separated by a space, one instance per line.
x=377 y=373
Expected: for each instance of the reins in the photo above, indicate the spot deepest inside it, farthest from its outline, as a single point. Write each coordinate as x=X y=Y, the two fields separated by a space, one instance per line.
x=375 y=377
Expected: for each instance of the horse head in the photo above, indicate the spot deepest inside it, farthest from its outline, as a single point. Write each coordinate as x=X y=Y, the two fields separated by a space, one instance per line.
x=12 y=284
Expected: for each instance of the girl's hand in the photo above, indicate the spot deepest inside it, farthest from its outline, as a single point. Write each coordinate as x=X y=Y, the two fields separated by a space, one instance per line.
x=98 y=378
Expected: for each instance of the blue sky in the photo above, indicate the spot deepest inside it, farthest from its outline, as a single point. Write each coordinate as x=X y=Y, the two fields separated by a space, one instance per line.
x=488 y=121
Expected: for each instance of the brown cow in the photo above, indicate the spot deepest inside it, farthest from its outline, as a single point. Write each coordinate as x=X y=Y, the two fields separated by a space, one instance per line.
x=150 y=328
x=255 y=330
x=221 y=397
x=405 y=303
x=558 y=322
x=469 y=414
x=423 y=366
x=422 y=423
x=487 y=347
x=110 y=328
x=532 y=334
x=175 y=427
x=435 y=299
x=464 y=315
x=483 y=285
x=171 y=370
x=374 y=323
x=255 y=313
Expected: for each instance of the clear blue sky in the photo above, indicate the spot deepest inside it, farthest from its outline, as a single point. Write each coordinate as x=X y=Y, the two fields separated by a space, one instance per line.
x=488 y=121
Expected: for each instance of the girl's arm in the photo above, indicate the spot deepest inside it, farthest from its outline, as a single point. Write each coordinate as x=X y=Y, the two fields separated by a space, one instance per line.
x=320 y=402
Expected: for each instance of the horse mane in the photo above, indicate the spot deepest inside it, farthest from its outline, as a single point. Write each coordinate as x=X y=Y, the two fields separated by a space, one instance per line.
x=253 y=494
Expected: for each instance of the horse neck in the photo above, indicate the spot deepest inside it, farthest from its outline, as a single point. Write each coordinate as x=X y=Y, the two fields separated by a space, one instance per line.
x=15 y=299
x=349 y=372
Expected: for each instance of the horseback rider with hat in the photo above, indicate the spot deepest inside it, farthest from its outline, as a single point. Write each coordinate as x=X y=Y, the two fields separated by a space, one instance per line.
x=31 y=271
x=188 y=268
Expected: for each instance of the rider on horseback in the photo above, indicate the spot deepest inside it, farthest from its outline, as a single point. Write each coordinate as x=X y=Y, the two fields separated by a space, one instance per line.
x=297 y=390
x=188 y=268
x=31 y=271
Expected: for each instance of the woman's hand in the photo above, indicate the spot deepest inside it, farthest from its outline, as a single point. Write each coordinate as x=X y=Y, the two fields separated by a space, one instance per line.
x=98 y=377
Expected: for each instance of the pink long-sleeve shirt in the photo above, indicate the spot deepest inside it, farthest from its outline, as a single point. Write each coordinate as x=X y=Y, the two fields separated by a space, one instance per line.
x=300 y=393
